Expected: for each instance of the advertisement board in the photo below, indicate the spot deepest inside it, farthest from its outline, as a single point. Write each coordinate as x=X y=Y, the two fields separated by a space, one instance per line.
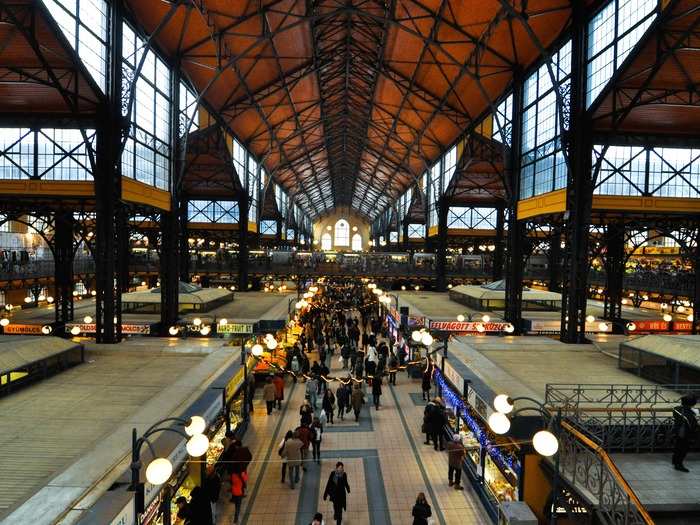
x=466 y=326
x=131 y=329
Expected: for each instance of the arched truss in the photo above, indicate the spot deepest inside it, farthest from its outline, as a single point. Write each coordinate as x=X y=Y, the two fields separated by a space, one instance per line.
x=349 y=102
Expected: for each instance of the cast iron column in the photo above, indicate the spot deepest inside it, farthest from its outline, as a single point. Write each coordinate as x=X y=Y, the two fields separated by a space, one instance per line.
x=554 y=260
x=243 y=243
x=696 y=291
x=406 y=243
x=516 y=228
x=170 y=219
x=108 y=195
x=498 y=252
x=184 y=241
x=614 y=273
x=441 y=249
x=579 y=194
x=63 y=264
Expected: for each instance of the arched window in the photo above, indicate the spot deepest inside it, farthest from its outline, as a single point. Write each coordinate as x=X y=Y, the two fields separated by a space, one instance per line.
x=326 y=242
x=357 y=242
x=342 y=233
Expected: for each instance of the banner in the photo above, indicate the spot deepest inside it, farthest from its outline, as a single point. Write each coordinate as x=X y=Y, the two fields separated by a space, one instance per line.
x=234 y=328
x=131 y=329
x=23 y=329
x=652 y=326
x=682 y=326
x=466 y=326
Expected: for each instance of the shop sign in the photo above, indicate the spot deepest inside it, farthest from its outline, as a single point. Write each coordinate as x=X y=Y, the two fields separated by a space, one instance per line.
x=454 y=378
x=545 y=326
x=126 y=516
x=414 y=320
x=652 y=326
x=131 y=329
x=477 y=403
x=682 y=326
x=23 y=329
x=466 y=326
x=235 y=328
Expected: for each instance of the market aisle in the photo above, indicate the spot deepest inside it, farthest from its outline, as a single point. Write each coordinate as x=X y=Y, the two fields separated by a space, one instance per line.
x=262 y=435
x=384 y=456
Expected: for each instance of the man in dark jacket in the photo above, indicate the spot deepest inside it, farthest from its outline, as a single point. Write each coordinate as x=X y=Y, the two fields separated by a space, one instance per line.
x=435 y=420
x=241 y=458
x=212 y=488
x=685 y=426
x=455 y=458
x=337 y=489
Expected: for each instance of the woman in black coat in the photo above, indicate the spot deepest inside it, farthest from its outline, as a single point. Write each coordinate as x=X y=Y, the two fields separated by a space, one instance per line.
x=421 y=510
x=336 y=489
x=376 y=390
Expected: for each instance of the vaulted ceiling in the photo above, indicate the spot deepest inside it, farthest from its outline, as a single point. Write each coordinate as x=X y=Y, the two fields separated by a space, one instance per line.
x=348 y=102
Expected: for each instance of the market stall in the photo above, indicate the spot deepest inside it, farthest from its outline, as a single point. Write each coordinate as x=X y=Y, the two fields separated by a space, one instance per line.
x=493 y=463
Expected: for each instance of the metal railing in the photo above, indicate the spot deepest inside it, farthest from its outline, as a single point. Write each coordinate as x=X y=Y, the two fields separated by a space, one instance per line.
x=572 y=395
x=587 y=468
x=621 y=417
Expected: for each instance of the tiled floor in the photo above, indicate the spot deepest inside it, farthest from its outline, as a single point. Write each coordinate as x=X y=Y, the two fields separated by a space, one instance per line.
x=391 y=455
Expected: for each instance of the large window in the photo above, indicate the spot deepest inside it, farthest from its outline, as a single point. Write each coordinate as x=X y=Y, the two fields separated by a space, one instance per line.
x=543 y=166
x=658 y=172
x=342 y=233
x=435 y=192
x=61 y=154
x=253 y=189
x=189 y=110
x=503 y=121
x=239 y=160
x=268 y=227
x=147 y=153
x=84 y=24
x=222 y=212
x=612 y=33
x=326 y=242
x=471 y=218
x=357 y=242
x=416 y=231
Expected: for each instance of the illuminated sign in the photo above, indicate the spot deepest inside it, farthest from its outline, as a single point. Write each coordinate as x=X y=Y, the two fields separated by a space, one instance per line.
x=23 y=329
x=234 y=328
x=132 y=329
x=466 y=326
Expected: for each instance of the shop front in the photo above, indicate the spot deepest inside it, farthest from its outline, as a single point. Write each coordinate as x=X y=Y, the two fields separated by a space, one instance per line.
x=492 y=463
x=161 y=507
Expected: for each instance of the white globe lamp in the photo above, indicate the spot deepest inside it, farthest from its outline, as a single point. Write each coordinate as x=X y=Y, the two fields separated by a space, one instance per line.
x=499 y=423
x=197 y=426
x=159 y=471
x=426 y=339
x=502 y=404
x=545 y=443
x=197 y=445
x=257 y=350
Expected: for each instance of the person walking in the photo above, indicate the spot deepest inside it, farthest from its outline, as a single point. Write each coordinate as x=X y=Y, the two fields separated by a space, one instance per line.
x=426 y=384
x=239 y=481
x=328 y=405
x=295 y=368
x=343 y=397
x=251 y=393
x=393 y=367
x=316 y=436
x=212 y=488
x=312 y=391
x=306 y=413
x=685 y=426
x=337 y=489
x=200 y=507
x=269 y=394
x=455 y=458
x=376 y=390
x=304 y=434
x=435 y=423
x=421 y=510
x=292 y=453
x=357 y=399
x=278 y=381
x=280 y=451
